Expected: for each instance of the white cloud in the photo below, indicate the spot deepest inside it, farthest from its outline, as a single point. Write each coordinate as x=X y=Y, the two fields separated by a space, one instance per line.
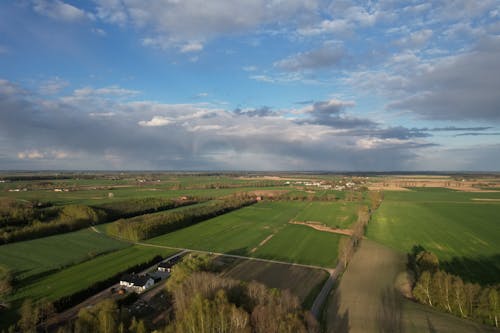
x=249 y=68
x=106 y=91
x=99 y=32
x=191 y=47
x=31 y=154
x=59 y=10
x=416 y=39
x=326 y=56
x=178 y=23
x=156 y=121
x=52 y=86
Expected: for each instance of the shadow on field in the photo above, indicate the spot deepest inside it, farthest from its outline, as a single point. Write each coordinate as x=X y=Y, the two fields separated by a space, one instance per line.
x=18 y=283
x=242 y=251
x=339 y=322
x=482 y=270
x=389 y=318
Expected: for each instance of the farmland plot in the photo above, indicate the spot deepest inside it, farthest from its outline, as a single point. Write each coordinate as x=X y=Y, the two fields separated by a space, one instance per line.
x=261 y=230
x=463 y=234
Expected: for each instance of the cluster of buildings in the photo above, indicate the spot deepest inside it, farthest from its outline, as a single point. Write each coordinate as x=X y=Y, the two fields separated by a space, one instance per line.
x=338 y=186
x=141 y=282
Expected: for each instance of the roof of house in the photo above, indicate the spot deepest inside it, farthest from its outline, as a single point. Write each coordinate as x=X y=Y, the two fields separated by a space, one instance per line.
x=165 y=264
x=136 y=280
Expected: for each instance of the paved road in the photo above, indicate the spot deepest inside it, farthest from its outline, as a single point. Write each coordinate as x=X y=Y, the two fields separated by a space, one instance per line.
x=325 y=291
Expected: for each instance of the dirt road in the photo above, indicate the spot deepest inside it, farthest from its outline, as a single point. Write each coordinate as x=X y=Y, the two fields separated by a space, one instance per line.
x=367 y=300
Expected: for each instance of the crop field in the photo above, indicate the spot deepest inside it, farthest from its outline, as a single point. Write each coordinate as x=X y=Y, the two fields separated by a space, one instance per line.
x=31 y=258
x=461 y=231
x=99 y=196
x=301 y=244
x=438 y=195
x=261 y=230
x=280 y=276
x=333 y=214
x=81 y=276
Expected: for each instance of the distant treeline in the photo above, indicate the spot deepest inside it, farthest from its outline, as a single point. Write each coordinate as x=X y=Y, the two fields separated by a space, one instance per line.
x=151 y=225
x=23 y=220
x=449 y=293
x=133 y=207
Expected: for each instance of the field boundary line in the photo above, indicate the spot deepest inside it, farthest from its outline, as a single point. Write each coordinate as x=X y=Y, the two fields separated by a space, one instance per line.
x=235 y=256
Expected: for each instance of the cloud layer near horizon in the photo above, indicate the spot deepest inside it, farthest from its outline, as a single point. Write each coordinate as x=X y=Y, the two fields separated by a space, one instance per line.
x=88 y=129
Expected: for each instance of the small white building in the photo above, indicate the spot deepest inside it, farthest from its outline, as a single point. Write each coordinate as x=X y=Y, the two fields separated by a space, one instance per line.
x=138 y=283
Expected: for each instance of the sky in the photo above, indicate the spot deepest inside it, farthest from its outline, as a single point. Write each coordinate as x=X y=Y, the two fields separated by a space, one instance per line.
x=250 y=85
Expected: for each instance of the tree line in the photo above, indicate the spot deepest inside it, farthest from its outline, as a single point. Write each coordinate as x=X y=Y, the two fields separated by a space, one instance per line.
x=151 y=225
x=347 y=246
x=23 y=220
x=449 y=293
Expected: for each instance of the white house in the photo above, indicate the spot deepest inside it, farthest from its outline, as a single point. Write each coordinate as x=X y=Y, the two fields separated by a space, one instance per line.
x=137 y=283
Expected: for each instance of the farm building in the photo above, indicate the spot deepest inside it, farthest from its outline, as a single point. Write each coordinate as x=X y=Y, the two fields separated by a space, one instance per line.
x=138 y=283
x=166 y=266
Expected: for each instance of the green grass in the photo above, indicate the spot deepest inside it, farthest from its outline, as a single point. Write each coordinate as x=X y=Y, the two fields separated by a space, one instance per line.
x=333 y=214
x=236 y=232
x=430 y=195
x=34 y=257
x=464 y=235
x=241 y=231
x=301 y=244
x=80 y=276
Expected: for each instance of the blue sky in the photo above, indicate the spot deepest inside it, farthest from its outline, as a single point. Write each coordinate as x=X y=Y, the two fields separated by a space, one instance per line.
x=250 y=85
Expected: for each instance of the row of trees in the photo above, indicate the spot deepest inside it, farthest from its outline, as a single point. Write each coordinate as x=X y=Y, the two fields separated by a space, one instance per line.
x=68 y=218
x=147 y=226
x=133 y=207
x=451 y=294
x=347 y=246
x=22 y=220
x=15 y=213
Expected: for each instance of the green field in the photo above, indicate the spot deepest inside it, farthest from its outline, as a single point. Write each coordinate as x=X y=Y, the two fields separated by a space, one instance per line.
x=81 y=276
x=244 y=232
x=301 y=244
x=78 y=277
x=32 y=258
x=333 y=214
x=462 y=232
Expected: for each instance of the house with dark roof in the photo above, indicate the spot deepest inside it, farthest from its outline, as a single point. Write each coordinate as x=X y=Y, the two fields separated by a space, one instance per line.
x=137 y=283
x=166 y=266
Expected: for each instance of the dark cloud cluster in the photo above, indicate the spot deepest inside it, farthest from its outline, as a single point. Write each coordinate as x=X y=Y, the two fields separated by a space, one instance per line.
x=99 y=131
